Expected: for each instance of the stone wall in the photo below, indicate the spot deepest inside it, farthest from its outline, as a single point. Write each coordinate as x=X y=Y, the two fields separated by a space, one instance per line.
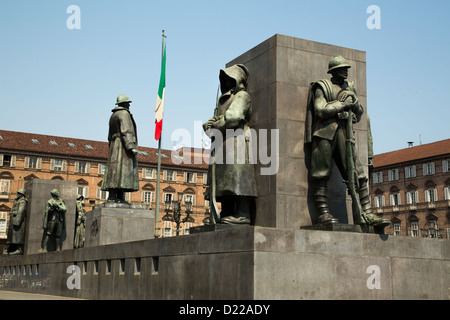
x=240 y=264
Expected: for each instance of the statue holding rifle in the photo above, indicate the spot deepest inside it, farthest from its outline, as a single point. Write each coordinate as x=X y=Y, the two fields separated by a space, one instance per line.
x=333 y=108
x=231 y=177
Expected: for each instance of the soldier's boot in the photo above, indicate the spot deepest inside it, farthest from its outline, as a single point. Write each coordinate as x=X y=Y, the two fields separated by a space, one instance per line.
x=45 y=243
x=112 y=197
x=241 y=212
x=364 y=198
x=121 y=196
x=19 y=250
x=58 y=243
x=321 y=203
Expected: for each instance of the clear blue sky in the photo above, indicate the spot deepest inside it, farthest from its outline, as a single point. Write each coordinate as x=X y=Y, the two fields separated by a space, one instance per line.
x=64 y=82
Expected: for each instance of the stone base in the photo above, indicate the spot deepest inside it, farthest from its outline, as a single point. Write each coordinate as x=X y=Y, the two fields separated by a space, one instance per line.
x=345 y=228
x=216 y=227
x=111 y=222
x=243 y=264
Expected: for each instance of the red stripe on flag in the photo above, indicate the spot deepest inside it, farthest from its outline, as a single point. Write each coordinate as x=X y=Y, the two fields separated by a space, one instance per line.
x=158 y=129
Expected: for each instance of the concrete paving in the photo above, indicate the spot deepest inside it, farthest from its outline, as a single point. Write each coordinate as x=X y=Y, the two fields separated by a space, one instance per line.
x=13 y=295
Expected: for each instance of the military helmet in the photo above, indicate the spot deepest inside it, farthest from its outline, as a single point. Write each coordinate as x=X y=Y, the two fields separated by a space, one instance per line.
x=54 y=193
x=122 y=99
x=337 y=62
x=21 y=191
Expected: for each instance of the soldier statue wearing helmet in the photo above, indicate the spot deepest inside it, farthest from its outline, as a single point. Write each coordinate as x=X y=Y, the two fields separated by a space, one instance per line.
x=16 y=226
x=54 y=220
x=121 y=174
x=328 y=102
x=232 y=174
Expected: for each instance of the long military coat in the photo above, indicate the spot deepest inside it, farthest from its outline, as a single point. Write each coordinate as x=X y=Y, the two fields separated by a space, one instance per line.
x=54 y=218
x=122 y=166
x=16 y=228
x=235 y=174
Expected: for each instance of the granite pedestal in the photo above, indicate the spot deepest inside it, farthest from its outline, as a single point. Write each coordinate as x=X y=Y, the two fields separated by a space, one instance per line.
x=243 y=264
x=281 y=70
x=111 y=222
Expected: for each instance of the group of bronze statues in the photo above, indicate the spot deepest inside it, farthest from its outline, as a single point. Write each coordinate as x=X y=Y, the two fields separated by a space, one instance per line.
x=53 y=223
x=333 y=108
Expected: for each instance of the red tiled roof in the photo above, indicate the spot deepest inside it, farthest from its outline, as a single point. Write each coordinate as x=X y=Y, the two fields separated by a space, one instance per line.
x=424 y=151
x=60 y=146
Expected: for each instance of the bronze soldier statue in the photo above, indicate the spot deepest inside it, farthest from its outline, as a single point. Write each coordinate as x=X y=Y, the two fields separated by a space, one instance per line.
x=16 y=227
x=233 y=182
x=331 y=104
x=54 y=220
x=80 y=223
x=121 y=174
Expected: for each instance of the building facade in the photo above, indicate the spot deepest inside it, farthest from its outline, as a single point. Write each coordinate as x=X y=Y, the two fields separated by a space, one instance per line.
x=27 y=156
x=411 y=187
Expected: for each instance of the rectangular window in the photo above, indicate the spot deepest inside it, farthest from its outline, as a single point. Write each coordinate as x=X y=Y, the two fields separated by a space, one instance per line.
x=447 y=193
x=395 y=199
x=169 y=197
x=431 y=195
x=7 y=160
x=186 y=228
x=414 y=229
x=84 y=191
x=446 y=165
x=4 y=186
x=410 y=172
x=3 y=224
x=190 y=177
x=393 y=175
x=412 y=197
x=428 y=168
x=205 y=179
x=378 y=177
x=148 y=196
x=397 y=229
x=33 y=163
x=82 y=167
x=379 y=201
x=167 y=230
x=101 y=168
x=149 y=173
x=189 y=198
x=170 y=175
x=102 y=194
x=58 y=165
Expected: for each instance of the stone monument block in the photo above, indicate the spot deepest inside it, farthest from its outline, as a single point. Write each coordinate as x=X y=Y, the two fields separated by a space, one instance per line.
x=111 y=222
x=281 y=70
x=38 y=193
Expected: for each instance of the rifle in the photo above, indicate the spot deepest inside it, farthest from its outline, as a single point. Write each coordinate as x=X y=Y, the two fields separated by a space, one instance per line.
x=352 y=176
x=214 y=209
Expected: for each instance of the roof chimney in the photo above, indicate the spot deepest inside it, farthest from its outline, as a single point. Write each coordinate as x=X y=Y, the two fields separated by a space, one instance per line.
x=410 y=144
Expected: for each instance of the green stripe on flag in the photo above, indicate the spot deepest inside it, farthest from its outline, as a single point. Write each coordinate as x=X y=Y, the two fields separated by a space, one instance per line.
x=162 y=80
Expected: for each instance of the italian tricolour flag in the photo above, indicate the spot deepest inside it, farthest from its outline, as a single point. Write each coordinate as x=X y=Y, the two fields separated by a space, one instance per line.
x=160 y=99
